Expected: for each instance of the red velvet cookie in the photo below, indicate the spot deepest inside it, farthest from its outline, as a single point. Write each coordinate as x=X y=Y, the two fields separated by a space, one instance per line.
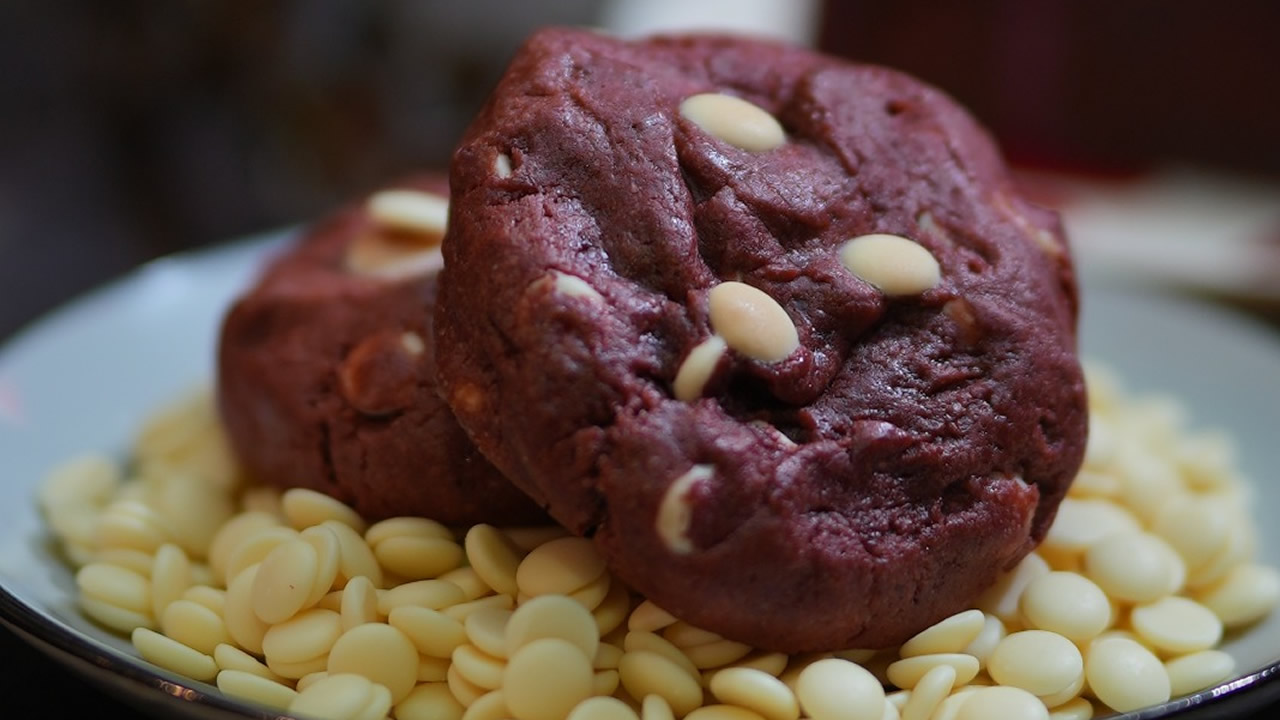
x=776 y=330
x=326 y=370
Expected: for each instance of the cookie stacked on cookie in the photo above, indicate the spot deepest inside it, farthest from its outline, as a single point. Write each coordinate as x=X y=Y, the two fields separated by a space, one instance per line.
x=326 y=369
x=775 y=330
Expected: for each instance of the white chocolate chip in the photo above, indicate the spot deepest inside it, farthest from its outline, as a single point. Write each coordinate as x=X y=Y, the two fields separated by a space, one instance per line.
x=256 y=688
x=1134 y=566
x=716 y=654
x=735 y=121
x=304 y=508
x=410 y=211
x=684 y=636
x=1047 y=242
x=645 y=673
x=405 y=241
x=173 y=655
x=493 y=557
x=435 y=594
x=1245 y=595
x=960 y=312
x=929 y=693
x=89 y=479
x=949 y=708
x=502 y=166
x=1197 y=671
x=429 y=700
x=529 y=537
x=648 y=617
x=772 y=431
x=927 y=224
x=574 y=286
x=642 y=641
x=755 y=690
x=602 y=708
x=478 y=666
x=723 y=712
x=697 y=368
x=335 y=695
x=993 y=631
x=895 y=265
x=549 y=616
x=834 y=689
x=357 y=603
x=119 y=586
x=465 y=691
x=950 y=635
x=1001 y=599
x=612 y=611
x=1176 y=625
x=467 y=399
x=751 y=322
x=309 y=634
x=1066 y=603
x=675 y=515
x=379 y=652
x=242 y=624
x=1198 y=528
x=560 y=566
x=1081 y=522
x=115 y=617
x=905 y=673
x=1038 y=661
x=194 y=625
x=413 y=343
x=545 y=680
x=170 y=577
x=925 y=221
x=1001 y=702
x=283 y=586
x=1125 y=675
x=1066 y=694
x=1044 y=239
x=374 y=255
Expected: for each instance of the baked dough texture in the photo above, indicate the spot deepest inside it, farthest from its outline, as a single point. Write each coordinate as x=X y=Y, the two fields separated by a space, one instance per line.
x=916 y=437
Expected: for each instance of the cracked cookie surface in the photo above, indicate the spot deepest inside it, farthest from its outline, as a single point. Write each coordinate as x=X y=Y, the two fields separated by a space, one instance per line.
x=326 y=370
x=776 y=330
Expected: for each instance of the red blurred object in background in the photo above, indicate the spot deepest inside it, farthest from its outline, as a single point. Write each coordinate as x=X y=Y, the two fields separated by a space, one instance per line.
x=1108 y=86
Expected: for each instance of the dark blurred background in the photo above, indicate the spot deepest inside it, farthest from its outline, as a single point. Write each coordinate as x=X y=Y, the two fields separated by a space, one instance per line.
x=1094 y=85
x=132 y=129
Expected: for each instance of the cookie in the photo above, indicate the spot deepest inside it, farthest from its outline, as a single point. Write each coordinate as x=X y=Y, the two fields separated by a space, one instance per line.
x=326 y=370
x=776 y=330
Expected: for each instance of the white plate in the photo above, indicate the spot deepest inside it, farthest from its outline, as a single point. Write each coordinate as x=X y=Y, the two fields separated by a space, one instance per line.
x=85 y=377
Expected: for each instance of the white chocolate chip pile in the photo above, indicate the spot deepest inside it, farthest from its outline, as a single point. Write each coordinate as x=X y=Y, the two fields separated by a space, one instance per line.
x=290 y=600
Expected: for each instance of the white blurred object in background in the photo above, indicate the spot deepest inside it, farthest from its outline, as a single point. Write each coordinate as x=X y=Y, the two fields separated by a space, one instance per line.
x=794 y=21
x=1191 y=229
